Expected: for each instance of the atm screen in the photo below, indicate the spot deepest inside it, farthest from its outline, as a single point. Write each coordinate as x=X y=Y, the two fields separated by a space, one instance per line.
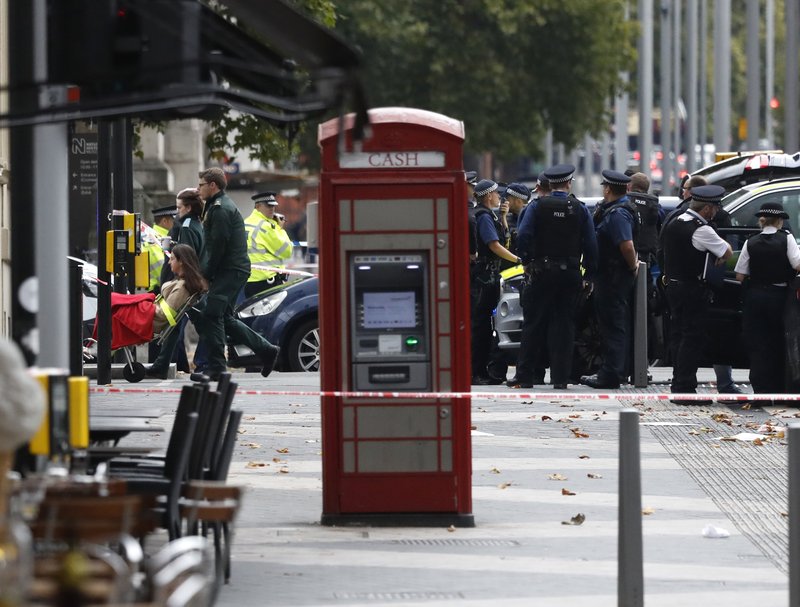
x=390 y=310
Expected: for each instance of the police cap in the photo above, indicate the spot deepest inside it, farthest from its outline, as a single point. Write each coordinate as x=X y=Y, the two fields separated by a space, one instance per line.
x=614 y=178
x=518 y=190
x=560 y=173
x=471 y=177
x=266 y=198
x=485 y=186
x=170 y=211
x=710 y=194
x=542 y=180
x=772 y=209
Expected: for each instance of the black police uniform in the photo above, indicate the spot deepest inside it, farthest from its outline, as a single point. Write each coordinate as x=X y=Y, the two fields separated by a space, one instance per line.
x=613 y=287
x=556 y=232
x=227 y=267
x=484 y=295
x=763 y=311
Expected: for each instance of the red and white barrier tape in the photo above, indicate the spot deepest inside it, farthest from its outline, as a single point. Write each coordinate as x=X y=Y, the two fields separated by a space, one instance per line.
x=509 y=395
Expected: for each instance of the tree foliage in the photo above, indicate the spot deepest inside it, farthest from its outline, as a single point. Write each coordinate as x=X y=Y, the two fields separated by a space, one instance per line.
x=507 y=68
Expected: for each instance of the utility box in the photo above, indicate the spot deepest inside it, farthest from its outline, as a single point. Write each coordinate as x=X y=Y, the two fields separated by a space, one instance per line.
x=394 y=322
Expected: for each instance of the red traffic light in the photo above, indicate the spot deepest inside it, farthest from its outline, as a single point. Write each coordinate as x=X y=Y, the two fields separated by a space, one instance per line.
x=774 y=103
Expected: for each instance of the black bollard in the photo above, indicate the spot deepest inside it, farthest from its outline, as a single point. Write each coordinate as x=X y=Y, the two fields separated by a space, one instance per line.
x=630 y=577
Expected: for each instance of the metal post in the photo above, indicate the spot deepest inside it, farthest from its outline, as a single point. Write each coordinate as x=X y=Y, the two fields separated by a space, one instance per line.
x=722 y=75
x=75 y=318
x=753 y=74
x=790 y=142
x=630 y=576
x=665 y=133
x=104 y=209
x=769 y=80
x=588 y=162
x=640 y=327
x=691 y=87
x=702 y=134
x=620 y=122
x=645 y=69
x=674 y=174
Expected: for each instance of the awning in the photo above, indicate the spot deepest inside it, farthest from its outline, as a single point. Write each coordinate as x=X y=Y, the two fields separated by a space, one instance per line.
x=295 y=69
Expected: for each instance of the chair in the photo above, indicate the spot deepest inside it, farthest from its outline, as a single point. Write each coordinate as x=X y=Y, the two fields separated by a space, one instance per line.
x=171 y=568
x=219 y=522
x=215 y=505
x=168 y=485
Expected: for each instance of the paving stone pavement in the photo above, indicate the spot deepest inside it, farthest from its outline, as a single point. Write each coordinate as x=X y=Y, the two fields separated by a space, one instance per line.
x=519 y=553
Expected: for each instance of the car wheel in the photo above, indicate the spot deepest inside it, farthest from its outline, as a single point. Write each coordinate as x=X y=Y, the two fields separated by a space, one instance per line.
x=303 y=354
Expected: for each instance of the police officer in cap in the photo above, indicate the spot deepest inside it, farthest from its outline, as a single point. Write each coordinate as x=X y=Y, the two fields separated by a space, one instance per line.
x=517 y=196
x=690 y=243
x=769 y=261
x=557 y=231
x=485 y=277
x=616 y=223
x=268 y=244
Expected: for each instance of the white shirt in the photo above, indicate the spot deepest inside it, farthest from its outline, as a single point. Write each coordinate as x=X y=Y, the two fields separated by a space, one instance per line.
x=792 y=254
x=704 y=237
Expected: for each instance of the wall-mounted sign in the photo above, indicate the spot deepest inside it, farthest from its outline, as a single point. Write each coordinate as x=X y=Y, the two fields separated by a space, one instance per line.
x=391 y=160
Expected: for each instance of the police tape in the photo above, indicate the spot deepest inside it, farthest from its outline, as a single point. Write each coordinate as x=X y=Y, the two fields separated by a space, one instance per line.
x=515 y=395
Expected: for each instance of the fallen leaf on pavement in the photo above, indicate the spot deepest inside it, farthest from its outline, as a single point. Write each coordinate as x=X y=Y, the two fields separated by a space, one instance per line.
x=575 y=520
x=647 y=511
x=251 y=445
x=556 y=477
x=546 y=418
x=494 y=471
x=584 y=457
x=758 y=442
x=451 y=528
x=284 y=470
x=576 y=432
x=503 y=485
x=567 y=492
x=593 y=475
x=255 y=465
x=575 y=416
x=277 y=460
x=284 y=450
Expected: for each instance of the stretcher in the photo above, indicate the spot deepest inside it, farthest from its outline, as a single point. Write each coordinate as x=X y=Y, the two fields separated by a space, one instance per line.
x=132 y=325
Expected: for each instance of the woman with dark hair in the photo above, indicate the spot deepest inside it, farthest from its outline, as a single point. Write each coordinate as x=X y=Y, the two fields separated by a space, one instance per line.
x=769 y=261
x=185 y=265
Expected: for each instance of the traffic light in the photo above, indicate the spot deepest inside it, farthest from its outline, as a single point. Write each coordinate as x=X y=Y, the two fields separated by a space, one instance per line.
x=109 y=47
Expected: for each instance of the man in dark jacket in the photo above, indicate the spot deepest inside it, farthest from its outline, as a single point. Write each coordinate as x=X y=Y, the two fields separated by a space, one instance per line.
x=226 y=266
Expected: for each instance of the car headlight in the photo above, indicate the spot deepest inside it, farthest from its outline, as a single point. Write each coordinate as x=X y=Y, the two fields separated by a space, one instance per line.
x=265 y=306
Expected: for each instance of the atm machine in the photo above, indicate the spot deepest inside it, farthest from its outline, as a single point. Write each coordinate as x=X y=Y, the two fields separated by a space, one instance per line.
x=394 y=323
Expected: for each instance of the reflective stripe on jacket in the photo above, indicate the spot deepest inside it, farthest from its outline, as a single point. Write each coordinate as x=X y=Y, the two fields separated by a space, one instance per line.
x=267 y=244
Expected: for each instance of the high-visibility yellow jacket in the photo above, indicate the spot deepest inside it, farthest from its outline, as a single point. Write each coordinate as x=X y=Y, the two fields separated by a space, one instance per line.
x=156 y=262
x=268 y=244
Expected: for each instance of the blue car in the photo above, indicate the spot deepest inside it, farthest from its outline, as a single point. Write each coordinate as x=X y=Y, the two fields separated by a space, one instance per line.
x=286 y=315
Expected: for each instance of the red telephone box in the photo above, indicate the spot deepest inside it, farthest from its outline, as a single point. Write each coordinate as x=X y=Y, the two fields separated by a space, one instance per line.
x=394 y=322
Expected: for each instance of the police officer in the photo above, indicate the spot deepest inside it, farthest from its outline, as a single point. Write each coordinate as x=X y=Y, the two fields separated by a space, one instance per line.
x=485 y=277
x=616 y=226
x=188 y=230
x=689 y=242
x=268 y=244
x=517 y=196
x=556 y=232
x=226 y=267
x=471 y=177
x=769 y=261
x=651 y=215
x=163 y=219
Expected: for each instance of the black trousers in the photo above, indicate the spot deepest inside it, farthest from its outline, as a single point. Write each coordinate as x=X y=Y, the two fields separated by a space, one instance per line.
x=216 y=321
x=763 y=328
x=549 y=302
x=688 y=306
x=612 y=300
x=484 y=293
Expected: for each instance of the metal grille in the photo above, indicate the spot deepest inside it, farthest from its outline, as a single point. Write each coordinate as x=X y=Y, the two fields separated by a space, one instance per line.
x=397 y=596
x=480 y=543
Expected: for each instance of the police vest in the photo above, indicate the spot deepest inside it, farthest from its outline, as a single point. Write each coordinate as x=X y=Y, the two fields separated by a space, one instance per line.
x=646 y=207
x=682 y=261
x=557 y=229
x=769 y=263
x=485 y=254
x=607 y=249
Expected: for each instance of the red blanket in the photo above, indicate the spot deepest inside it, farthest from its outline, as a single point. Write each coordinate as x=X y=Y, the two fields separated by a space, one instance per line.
x=131 y=319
